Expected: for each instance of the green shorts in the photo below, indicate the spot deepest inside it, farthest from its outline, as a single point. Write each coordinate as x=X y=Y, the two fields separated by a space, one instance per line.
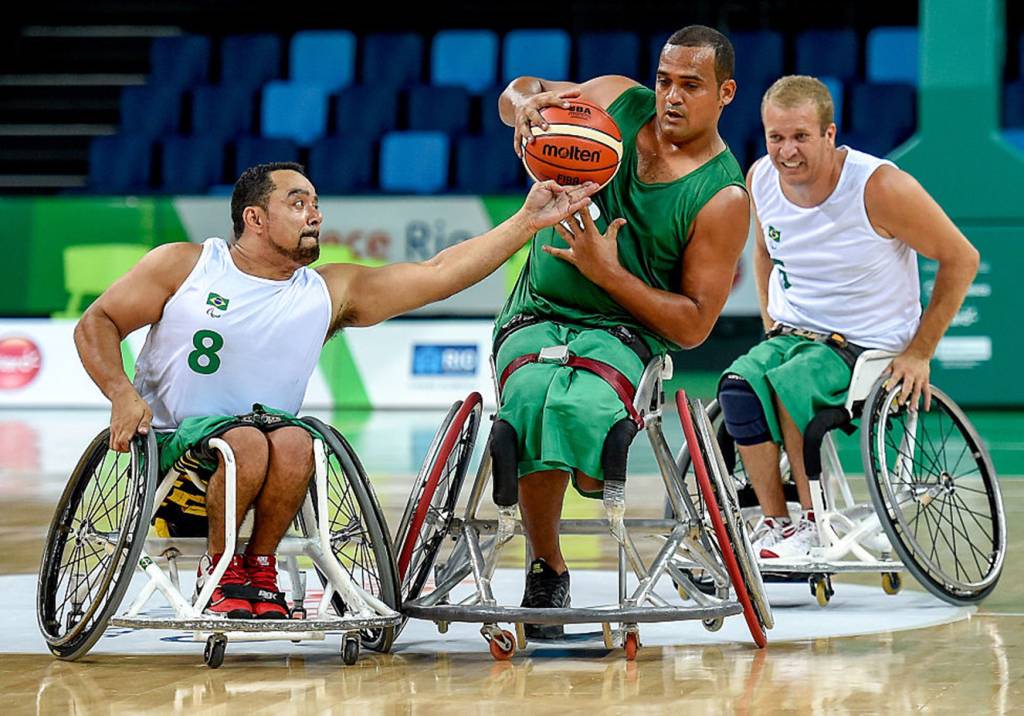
x=562 y=415
x=186 y=451
x=805 y=376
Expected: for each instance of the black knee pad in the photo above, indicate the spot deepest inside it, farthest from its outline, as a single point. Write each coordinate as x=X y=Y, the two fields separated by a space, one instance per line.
x=742 y=412
x=504 y=447
x=616 y=449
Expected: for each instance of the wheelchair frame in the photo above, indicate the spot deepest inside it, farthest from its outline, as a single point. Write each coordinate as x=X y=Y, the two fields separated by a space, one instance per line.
x=363 y=611
x=852 y=536
x=479 y=542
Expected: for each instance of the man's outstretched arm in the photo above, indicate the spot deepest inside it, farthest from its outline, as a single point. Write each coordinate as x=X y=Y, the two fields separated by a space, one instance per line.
x=135 y=300
x=364 y=296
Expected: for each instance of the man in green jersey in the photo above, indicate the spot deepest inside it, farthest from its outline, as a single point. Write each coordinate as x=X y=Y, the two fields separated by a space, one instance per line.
x=648 y=270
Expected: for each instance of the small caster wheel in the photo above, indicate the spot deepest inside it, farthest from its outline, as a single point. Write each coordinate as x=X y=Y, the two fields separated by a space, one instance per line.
x=821 y=588
x=682 y=592
x=892 y=583
x=632 y=644
x=350 y=650
x=606 y=633
x=442 y=627
x=713 y=624
x=213 y=654
x=297 y=613
x=503 y=646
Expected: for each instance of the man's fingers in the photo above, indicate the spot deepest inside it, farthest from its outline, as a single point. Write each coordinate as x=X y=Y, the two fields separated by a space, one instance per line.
x=578 y=204
x=569 y=237
x=564 y=254
x=613 y=228
x=915 y=398
x=569 y=94
x=927 y=397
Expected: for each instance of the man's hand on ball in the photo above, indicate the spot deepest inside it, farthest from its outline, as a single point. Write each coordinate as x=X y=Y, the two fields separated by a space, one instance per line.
x=596 y=255
x=548 y=203
x=528 y=114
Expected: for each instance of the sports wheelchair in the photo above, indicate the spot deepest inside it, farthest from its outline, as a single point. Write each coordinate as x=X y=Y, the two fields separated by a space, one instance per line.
x=100 y=534
x=703 y=534
x=935 y=510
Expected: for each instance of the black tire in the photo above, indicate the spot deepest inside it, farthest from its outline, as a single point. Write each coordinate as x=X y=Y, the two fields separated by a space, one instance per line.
x=359 y=533
x=108 y=497
x=966 y=489
x=435 y=494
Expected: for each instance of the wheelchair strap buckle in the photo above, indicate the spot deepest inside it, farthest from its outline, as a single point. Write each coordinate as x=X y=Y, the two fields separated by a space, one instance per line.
x=554 y=354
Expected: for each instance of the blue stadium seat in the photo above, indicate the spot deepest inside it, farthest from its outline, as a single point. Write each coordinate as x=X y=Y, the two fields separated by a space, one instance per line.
x=119 y=164
x=295 y=111
x=490 y=119
x=342 y=165
x=487 y=165
x=836 y=89
x=1013 y=104
x=323 y=57
x=224 y=112
x=191 y=165
x=878 y=142
x=536 y=53
x=466 y=58
x=414 y=162
x=758 y=60
x=444 y=109
x=150 y=111
x=250 y=60
x=393 y=60
x=607 y=53
x=182 y=61
x=368 y=110
x=1015 y=137
x=889 y=108
x=260 y=150
x=892 y=55
x=834 y=53
x=740 y=125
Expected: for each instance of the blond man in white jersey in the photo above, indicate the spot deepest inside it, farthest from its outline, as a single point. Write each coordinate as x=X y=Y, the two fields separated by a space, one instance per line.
x=838 y=233
x=235 y=333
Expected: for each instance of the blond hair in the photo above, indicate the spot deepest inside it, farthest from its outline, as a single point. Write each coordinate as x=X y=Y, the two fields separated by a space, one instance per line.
x=794 y=90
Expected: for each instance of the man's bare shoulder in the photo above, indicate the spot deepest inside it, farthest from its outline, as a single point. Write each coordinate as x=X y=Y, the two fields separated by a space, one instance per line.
x=171 y=263
x=606 y=89
x=889 y=183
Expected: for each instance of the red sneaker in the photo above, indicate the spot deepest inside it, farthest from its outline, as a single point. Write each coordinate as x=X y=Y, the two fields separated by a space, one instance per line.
x=267 y=601
x=231 y=597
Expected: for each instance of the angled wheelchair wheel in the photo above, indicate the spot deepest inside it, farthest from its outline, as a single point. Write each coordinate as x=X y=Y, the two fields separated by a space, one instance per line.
x=94 y=542
x=358 y=532
x=722 y=507
x=431 y=507
x=936 y=494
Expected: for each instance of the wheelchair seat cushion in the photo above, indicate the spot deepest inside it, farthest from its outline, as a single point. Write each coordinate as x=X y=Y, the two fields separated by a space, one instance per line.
x=562 y=414
x=807 y=377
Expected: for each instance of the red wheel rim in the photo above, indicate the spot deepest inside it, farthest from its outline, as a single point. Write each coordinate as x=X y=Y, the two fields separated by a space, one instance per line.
x=443 y=453
x=724 y=544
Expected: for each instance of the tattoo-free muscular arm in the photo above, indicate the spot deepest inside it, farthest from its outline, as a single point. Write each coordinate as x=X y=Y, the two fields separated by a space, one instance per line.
x=135 y=300
x=762 y=259
x=898 y=206
x=709 y=264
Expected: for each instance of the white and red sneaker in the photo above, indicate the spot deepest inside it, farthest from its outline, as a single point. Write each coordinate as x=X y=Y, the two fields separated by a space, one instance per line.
x=798 y=540
x=231 y=597
x=768 y=532
x=267 y=601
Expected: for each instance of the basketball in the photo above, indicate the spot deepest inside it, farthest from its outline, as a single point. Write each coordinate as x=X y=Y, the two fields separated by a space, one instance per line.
x=582 y=143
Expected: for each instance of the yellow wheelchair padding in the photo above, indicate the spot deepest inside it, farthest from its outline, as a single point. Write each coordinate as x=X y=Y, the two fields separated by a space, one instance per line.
x=90 y=269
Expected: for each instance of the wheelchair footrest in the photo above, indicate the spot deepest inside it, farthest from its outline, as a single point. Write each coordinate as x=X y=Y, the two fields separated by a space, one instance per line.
x=256 y=625
x=572 y=615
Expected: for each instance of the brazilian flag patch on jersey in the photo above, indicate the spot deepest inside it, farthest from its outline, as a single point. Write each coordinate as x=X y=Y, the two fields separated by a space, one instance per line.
x=217 y=301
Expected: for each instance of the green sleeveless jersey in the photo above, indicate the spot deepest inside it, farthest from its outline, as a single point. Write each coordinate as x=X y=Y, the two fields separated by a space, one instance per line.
x=651 y=243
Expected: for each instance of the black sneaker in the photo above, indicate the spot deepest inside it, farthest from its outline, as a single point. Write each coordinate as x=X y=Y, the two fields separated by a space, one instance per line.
x=545 y=588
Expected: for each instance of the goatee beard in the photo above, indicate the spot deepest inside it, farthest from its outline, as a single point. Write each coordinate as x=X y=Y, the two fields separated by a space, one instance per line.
x=302 y=255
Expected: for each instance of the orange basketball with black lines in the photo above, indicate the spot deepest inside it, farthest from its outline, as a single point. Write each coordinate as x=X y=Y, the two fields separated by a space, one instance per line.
x=582 y=143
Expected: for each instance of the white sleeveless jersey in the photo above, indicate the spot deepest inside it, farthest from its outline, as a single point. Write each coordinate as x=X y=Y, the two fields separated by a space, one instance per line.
x=227 y=340
x=832 y=271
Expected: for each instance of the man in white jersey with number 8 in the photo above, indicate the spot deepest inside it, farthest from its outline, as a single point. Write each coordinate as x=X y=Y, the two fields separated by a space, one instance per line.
x=235 y=333
x=838 y=232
